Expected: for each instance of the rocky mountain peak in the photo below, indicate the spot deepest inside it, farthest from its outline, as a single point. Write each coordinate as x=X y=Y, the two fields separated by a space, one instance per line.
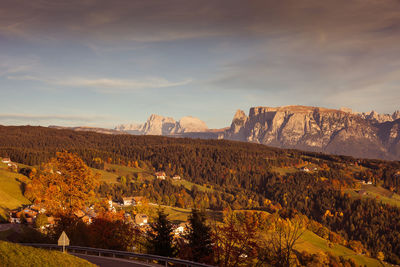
x=239 y=115
x=191 y=124
x=156 y=118
x=376 y=117
x=396 y=115
x=129 y=127
x=160 y=125
x=334 y=131
x=313 y=128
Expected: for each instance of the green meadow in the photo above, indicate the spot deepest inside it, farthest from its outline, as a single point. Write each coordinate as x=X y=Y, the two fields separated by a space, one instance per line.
x=13 y=255
x=11 y=196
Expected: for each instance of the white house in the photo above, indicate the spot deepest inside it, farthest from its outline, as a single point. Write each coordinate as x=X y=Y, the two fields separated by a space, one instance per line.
x=15 y=220
x=161 y=175
x=176 y=177
x=180 y=229
x=6 y=160
x=127 y=201
x=305 y=169
x=12 y=165
x=141 y=219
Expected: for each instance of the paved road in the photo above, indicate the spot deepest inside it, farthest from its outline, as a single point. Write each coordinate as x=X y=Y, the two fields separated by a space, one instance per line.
x=111 y=262
x=7 y=226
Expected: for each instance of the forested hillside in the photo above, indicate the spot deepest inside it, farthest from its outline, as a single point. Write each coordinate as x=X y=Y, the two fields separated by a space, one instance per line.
x=236 y=175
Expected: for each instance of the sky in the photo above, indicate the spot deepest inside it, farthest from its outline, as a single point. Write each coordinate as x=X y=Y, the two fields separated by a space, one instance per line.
x=102 y=63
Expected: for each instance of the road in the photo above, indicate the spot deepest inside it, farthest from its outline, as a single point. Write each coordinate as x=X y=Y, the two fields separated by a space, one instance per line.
x=112 y=262
x=7 y=226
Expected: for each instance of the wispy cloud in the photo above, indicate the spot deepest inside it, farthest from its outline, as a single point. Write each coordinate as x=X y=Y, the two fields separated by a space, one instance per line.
x=36 y=117
x=105 y=85
x=16 y=65
x=65 y=120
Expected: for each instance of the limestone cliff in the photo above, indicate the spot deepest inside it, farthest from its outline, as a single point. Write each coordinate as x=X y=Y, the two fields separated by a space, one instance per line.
x=319 y=129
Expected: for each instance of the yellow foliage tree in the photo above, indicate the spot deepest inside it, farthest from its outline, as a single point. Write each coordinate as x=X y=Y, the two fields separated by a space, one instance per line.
x=64 y=184
x=380 y=256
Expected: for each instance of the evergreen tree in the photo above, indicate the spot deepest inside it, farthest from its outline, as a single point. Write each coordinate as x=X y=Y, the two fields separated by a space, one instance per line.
x=199 y=237
x=160 y=237
x=41 y=220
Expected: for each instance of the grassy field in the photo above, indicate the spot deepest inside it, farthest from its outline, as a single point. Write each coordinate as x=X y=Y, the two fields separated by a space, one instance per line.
x=178 y=215
x=284 y=170
x=20 y=256
x=11 y=192
x=124 y=170
x=312 y=243
x=188 y=185
x=113 y=171
x=378 y=193
x=105 y=176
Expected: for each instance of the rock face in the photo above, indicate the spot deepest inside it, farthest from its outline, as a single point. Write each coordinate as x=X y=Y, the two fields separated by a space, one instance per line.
x=318 y=129
x=344 y=132
x=132 y=128
x=380 y=118
x=190 y=124
x=159 y=125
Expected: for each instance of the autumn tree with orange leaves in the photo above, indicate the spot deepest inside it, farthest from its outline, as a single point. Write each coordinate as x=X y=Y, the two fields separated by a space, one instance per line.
x=235 y=241
x=64 y=184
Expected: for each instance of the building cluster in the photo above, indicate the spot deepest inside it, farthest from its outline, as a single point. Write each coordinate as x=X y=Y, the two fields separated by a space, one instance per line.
x=141 y=220
x=29 y=214
x=9 y=163
x=132 y=201
x=365 y=182
x=306 y=169
x=86 y=215
x=162 y=176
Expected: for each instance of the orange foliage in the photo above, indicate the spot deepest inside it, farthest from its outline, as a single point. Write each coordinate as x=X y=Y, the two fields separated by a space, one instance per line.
x=64 y=184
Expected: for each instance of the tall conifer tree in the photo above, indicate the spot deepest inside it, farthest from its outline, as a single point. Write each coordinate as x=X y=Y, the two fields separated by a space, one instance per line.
x=160 y=237
x=199 y=237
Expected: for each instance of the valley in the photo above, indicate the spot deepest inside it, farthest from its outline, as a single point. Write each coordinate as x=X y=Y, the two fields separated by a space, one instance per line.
x=335 y=193
x=309 y=241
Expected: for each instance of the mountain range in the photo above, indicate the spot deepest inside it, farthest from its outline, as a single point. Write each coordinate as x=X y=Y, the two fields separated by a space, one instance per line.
x=333 y=131
x=159 y=125
x=368 y=135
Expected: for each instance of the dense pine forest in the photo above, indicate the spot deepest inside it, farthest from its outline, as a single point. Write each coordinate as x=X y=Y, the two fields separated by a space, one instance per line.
x=237 y=176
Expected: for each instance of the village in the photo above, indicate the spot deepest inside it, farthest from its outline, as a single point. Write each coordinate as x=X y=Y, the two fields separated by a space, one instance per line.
x=34 y=215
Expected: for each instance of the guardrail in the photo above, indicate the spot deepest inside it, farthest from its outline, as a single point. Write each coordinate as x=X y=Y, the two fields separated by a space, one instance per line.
x=119 y=254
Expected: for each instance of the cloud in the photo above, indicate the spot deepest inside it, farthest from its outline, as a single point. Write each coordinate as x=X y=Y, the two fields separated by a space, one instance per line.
x=157 y=21
x=16 y=65
x=106 y=85
x=66 y=120
x=138 y=21
x=307 y=50
x=35 y=117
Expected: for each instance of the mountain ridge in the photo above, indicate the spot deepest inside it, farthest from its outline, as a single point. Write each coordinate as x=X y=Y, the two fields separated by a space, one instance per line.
x=160 y=125
x=317 y=129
